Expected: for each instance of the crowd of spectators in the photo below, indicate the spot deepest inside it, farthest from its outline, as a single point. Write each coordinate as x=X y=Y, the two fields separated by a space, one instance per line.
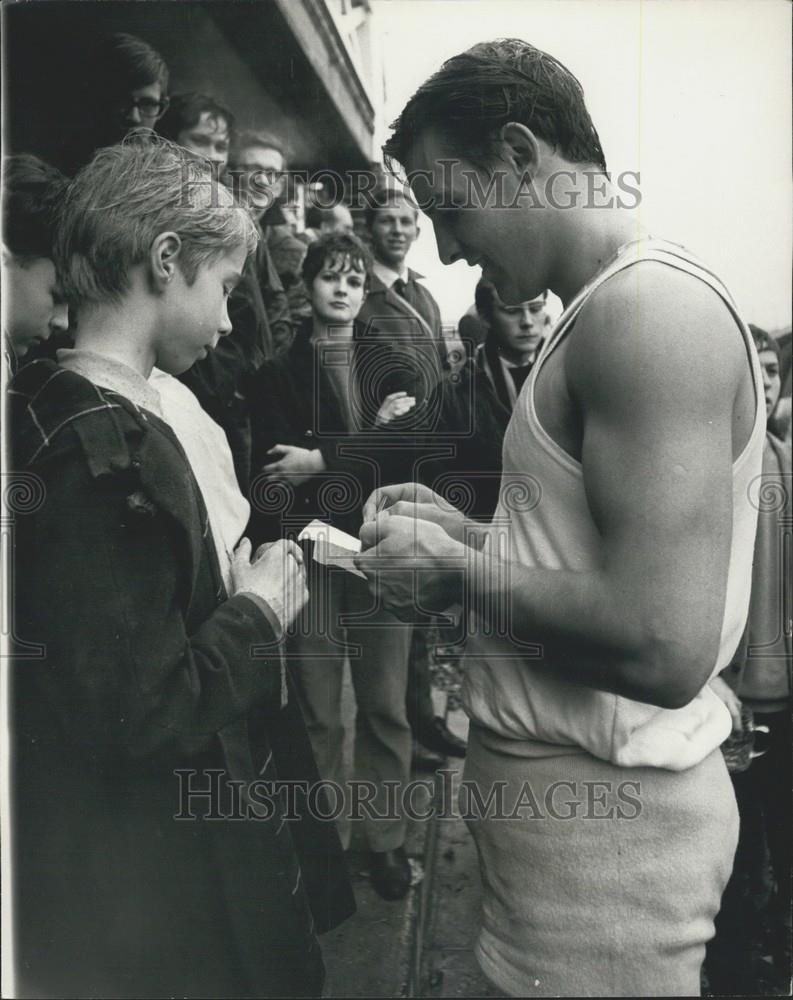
x=331 y=377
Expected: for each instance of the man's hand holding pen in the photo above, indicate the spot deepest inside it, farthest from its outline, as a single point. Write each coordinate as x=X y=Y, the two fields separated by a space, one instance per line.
x=409 y=552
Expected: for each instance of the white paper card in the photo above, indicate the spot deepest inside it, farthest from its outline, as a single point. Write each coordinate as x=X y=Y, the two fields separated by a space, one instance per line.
x=332 y=547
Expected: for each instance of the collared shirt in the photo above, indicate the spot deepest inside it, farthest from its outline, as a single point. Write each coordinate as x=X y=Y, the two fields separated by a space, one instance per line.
x=112 y=374
x=388 y=275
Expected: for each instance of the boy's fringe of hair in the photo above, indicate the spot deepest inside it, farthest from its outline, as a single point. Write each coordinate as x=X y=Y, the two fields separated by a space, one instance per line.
x=124 y=198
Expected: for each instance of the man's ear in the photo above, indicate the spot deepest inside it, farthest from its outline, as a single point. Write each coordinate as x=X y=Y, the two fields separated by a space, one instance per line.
x=520 y=146
x=164 y=259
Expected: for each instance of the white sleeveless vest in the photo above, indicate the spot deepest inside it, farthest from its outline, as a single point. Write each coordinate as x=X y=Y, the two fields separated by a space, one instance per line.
x=542 y=714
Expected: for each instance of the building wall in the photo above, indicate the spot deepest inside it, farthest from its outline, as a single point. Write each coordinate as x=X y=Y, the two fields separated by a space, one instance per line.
x=244 y=53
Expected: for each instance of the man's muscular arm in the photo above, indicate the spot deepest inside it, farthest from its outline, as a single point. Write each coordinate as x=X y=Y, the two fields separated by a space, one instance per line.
x=655 y=365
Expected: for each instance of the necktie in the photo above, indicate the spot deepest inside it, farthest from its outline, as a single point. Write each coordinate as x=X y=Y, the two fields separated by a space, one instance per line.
x=401 y=288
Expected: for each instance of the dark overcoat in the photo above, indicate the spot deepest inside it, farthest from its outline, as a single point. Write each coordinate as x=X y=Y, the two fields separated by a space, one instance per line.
x=293 y=401
x=149 y=683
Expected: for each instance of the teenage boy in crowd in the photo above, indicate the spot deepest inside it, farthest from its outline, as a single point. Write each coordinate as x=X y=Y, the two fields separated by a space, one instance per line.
x=398 y=304
x=319 y=414
x=259 y=165
x=124 y=87
x=401 y=309
x=759 y=678
x=258 y=307
x=201 y=124
x=155 y=683
x=625 y=577
x=33 y=304
x=475 y=403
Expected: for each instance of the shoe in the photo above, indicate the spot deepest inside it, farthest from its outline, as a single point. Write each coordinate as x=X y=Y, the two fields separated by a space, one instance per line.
x=437 y=736
x=422 y=759
x=390 y=873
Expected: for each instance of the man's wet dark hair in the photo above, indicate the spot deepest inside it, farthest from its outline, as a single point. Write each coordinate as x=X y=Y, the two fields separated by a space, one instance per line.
x=336 y=250
x=477 y=92
x=32 y=192
x=185 y=112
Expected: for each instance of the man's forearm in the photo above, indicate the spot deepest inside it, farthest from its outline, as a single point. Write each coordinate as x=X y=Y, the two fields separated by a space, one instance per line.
x=587 y=633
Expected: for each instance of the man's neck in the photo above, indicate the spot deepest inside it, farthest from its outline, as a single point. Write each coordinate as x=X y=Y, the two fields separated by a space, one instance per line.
x=589 y=239
x=388 y=273
x=120 y=333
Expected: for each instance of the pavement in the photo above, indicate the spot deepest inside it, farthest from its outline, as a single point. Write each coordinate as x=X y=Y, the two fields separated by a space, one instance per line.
x=421 y=945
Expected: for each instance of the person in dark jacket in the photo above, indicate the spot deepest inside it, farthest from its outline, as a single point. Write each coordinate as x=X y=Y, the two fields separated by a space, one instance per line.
x=124 y=87
x=474 y=405
x=757 y=687
x=150 y=708
x=321 y=418
x=260 y=170
x=258 y=307
x=398 y=305
x=33 y=306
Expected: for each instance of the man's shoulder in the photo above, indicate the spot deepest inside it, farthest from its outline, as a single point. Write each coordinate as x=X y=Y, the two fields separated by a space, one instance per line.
x=650 y=323
x=419 y=281
x=51 y=408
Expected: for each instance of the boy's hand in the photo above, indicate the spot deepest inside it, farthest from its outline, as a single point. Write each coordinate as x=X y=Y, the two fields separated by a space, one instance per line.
x=295 y=465
x=276 y=575
x=394 y=405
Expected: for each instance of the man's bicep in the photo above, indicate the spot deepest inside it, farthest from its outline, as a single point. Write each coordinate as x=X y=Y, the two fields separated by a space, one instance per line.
x=657 y=462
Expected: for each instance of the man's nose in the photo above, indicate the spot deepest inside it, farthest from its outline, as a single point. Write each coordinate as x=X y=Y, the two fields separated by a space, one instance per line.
x=59 y=321
x=133 y=115
x=449 y=249
x=526 y=320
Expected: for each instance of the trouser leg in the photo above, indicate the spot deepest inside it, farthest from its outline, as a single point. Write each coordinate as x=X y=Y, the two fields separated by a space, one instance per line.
x=317 y=655
x=379 y=664
x=418 y=701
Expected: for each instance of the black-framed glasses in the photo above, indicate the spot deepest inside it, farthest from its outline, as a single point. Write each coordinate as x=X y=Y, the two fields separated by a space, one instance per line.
x=148 y=107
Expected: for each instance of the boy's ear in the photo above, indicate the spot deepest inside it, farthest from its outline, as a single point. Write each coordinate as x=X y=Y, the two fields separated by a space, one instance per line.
x=519 y=146
x=164 y=259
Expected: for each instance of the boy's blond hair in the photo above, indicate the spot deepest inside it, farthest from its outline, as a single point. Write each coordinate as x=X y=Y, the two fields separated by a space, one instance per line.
x=124 y=198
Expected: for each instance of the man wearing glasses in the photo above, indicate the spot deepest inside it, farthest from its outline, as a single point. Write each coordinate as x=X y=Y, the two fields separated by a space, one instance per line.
x=126 y=89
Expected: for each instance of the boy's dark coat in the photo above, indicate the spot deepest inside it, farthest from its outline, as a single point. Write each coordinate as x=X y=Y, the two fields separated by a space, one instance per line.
x=147 y=670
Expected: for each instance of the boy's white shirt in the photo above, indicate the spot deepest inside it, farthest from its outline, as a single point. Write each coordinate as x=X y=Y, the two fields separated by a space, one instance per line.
x=209 y=455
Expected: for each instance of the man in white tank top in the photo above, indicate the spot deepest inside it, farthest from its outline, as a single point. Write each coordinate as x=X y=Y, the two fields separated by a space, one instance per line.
x=614 y=580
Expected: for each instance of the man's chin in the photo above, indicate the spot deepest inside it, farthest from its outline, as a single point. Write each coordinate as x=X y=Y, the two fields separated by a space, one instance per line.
x=394 y=261
x=509 y=293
